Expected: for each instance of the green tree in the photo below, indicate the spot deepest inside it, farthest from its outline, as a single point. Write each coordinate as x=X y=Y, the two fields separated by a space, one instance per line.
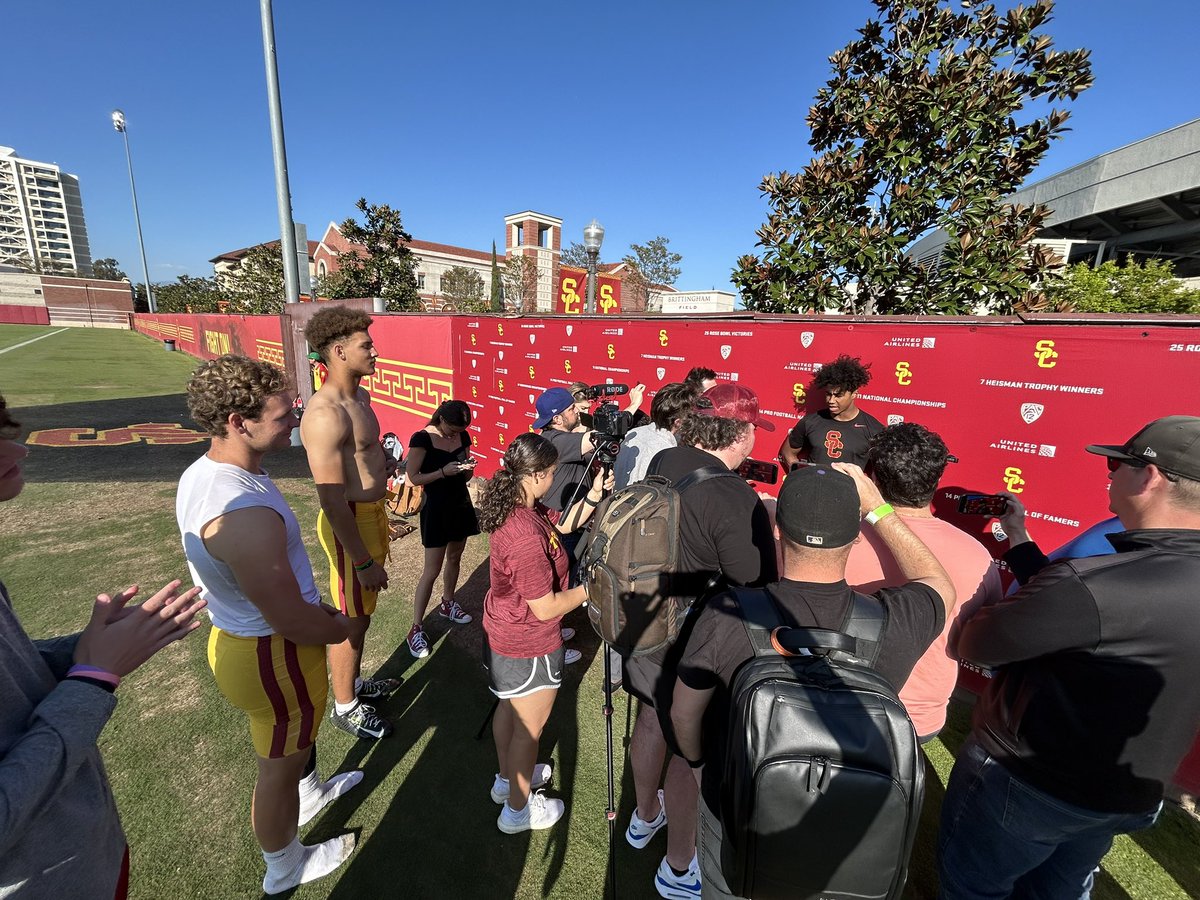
x=575 y=255
x=650 y=264
x=497 y=303
x=463 y=290
x=188 y=295
x=521 y=284
x=920 y=127
x=381 y=265
x=255 y=287
x=1130 y=288
x=108 y=269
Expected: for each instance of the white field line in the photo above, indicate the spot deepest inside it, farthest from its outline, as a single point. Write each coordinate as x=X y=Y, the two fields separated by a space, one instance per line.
x=32 y=340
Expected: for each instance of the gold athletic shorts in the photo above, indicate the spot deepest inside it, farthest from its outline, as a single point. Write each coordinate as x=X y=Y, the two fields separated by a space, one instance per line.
x=279 y=685
x=348 y=595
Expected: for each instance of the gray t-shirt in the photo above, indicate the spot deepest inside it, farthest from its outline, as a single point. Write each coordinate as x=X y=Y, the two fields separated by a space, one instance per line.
x=637 y=450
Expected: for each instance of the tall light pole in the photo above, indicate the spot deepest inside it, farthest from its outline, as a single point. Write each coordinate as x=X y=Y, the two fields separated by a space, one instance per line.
x=118 y=120
x=283 y=192
x=593 y=237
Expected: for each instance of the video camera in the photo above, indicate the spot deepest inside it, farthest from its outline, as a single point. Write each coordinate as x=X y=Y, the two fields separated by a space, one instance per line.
x=596 y=391
x=609 y=422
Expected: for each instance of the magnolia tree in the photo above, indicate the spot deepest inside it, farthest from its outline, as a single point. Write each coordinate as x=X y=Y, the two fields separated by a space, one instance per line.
x=933 y=116
x=380 y=264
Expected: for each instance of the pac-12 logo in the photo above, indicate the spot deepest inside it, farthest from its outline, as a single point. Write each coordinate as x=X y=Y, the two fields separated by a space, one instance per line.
x=612 y=352
x=662 y=337
x=833 y=444
x=1013 y=480
x=1045 y=354
x=903 y=373
x=798 y=395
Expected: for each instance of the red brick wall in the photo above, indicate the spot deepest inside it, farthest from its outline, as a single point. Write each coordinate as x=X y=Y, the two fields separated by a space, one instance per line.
x=87 y=293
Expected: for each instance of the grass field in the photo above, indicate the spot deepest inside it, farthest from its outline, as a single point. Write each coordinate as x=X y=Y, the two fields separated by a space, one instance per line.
x=96 y=518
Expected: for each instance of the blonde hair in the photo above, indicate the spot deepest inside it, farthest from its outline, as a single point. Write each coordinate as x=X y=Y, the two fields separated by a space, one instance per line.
x=231 y=384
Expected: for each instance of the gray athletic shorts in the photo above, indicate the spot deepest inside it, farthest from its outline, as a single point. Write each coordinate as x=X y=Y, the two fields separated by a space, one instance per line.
x=510 y=677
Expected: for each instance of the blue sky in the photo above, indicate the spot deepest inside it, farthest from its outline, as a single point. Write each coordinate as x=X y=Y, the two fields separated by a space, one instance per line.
x=656 y=117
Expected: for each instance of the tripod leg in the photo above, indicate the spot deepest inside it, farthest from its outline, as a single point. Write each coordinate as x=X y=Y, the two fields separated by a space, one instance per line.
x=611 y=812
x=486 y=719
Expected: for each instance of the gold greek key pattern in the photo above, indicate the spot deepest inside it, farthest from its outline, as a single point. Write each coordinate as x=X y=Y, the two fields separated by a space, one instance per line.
x=171 y=330
x=409 y=387
x=269 y=351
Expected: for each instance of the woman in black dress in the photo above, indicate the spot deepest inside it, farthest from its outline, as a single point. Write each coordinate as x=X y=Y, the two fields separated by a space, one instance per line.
x=439 y=460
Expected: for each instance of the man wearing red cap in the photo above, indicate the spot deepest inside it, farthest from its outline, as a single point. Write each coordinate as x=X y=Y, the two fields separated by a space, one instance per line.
x=1094 y=702
x=725 y=537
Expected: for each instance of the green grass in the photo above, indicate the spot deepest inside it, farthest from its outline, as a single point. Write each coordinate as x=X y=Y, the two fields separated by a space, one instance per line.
x=96 y=518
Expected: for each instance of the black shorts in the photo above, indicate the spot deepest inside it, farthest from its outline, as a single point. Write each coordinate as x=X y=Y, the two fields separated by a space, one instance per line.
x=510 y=676
x=651 y=678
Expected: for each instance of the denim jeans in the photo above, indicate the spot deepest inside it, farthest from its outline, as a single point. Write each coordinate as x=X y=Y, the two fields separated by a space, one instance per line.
x=1001 y=837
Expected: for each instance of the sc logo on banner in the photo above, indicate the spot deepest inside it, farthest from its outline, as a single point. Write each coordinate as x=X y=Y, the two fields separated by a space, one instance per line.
x=903 y=373
x=1045 y=354
x=798 y=395
x=1013 y=481
x=569 y=296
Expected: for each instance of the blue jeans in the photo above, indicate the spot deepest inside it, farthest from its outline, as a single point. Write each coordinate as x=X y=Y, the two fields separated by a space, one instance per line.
x=1001 y=837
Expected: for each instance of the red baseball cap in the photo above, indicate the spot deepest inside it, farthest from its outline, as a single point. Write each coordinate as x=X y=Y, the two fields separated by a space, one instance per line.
x=734 y=401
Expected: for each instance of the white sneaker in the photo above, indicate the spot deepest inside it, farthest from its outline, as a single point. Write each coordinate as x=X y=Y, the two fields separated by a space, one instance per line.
x=568 y=632
x=640 y=832
x=678 y=887
x=571 y=655
x=541 y=778
x=538 y=814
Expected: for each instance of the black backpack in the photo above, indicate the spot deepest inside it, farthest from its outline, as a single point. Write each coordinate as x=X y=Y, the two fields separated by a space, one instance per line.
x=823 y=780
x=628 y=562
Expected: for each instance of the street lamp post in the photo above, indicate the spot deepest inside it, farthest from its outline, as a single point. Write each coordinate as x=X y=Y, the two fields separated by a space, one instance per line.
x=593 y=237
x=118 y=120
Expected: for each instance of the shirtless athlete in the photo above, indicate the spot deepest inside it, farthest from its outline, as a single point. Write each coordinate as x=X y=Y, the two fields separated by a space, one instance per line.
x=341 y=435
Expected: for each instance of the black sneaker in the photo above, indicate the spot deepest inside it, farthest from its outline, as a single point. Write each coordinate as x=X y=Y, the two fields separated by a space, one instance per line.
x=377 y=688
x=362 y=722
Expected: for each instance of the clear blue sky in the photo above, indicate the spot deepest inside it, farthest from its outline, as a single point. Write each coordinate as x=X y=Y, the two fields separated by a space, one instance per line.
x=656 y=117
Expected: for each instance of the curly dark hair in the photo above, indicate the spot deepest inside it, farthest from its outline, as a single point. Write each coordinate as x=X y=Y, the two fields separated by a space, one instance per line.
x=711 y=432
x=700 y=374
x=907 y=461
x=9 y=427
x=333 y=324
x=846 y=373
x=673 y=401
x=231 y=384
x=452 y=412
x=528 y=453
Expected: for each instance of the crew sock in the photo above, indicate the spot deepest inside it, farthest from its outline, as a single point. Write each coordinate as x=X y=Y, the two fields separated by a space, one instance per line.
x=315 y=794
x=343 y=708
x=297 y=864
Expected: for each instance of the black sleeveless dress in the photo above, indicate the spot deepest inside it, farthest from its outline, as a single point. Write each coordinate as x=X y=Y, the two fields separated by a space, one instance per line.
x=447 y=514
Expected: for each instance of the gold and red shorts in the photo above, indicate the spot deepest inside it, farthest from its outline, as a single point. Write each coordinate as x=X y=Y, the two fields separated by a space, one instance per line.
x=279 y=685
x=348 y=595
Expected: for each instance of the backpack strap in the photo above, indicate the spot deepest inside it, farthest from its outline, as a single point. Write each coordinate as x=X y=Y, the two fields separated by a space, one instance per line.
x=770 y=637
x=704 y=473
x=865 y=621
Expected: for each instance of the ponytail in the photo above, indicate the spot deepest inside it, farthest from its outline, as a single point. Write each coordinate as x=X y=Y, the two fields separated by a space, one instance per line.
x=528 y=453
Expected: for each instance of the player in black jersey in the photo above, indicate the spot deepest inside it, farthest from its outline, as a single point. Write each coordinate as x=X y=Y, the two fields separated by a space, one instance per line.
x=841 y=431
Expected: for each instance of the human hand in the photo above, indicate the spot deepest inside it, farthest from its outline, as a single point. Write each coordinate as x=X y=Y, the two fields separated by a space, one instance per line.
x=373 y=578
x=1013 y=519
x=119 y=637
x=869 y=497
x=636 y=394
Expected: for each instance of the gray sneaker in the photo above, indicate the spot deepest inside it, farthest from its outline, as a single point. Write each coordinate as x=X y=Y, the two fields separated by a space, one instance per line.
x=362 y=722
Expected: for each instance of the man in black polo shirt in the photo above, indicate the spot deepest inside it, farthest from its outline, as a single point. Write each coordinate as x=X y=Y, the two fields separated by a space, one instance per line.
x=817 y=522
x=724 y=534
x=841 y=431
x=1094 y=703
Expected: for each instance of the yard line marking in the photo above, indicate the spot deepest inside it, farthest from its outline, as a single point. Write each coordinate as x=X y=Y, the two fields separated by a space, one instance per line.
x=32 y=340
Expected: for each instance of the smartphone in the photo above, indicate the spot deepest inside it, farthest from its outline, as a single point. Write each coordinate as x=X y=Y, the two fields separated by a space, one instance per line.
x=759 y=470
x=393 y=447
x=982 y=505
x=470 y=461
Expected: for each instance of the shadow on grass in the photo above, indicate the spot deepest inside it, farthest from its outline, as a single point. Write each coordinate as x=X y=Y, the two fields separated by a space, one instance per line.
x=131 y=460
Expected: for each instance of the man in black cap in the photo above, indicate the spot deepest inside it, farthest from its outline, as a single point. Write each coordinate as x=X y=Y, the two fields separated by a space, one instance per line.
x=1094 y=703
x=816 y=522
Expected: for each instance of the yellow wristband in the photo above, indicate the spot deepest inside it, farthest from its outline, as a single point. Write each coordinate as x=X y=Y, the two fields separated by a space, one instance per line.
x=879 y=512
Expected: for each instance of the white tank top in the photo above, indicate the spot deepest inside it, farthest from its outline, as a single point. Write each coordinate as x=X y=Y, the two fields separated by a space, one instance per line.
x=208 y=490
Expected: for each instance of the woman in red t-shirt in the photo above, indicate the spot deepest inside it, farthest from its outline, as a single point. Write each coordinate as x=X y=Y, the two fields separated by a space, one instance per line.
x=528 y=596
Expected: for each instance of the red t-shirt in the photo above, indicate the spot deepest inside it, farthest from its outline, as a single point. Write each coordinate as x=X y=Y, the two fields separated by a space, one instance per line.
x=528 y=561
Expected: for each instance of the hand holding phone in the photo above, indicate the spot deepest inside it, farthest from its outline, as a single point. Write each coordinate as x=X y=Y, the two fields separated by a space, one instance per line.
x=982 y=505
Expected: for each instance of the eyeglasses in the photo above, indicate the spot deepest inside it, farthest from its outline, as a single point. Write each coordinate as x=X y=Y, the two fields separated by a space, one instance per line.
x=1114 y=464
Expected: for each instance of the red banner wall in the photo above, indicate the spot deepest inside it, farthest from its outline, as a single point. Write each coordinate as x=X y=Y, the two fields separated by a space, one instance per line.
x=210 y=336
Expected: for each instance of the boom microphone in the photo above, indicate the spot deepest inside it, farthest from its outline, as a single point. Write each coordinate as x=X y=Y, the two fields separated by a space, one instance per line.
x=608 y=390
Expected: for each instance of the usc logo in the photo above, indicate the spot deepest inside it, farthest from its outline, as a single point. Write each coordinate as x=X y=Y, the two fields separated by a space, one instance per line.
x=903 y=373
x=662 y=337
x=798 y=395
x=1013 y=480
x=474 y=441
x=833 y=444
x=500 y=438
x=474 y=391
x=1045 y=354
x=531 y=375
x=473 y=339
x=569 y=296
x=500 y=385
x=612 y=353
x=499 y=328
x=607 y=301
x=567 y=366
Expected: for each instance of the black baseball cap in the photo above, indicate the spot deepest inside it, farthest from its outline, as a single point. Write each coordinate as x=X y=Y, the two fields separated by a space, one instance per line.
x=818 y=507
x=1171 y=443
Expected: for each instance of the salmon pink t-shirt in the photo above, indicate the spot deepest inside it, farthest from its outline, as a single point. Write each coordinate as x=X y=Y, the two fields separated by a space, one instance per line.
x=976 y=581
x=528 y=561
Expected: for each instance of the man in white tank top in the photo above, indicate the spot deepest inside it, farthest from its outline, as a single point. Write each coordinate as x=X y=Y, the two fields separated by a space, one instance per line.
x=270 y=628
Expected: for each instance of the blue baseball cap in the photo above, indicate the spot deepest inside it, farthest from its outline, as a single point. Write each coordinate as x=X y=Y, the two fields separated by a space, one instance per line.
x=550 y=404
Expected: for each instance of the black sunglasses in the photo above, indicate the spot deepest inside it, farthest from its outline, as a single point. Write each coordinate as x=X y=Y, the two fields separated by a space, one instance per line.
x=1114 y=463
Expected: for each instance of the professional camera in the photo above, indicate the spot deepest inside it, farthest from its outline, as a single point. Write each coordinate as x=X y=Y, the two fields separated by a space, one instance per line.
x=596 y=391
x=610 y=424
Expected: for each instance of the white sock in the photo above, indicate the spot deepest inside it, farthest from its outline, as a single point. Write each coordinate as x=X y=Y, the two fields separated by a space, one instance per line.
x=343 y=708
x=315 y=794
x=297 y=864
